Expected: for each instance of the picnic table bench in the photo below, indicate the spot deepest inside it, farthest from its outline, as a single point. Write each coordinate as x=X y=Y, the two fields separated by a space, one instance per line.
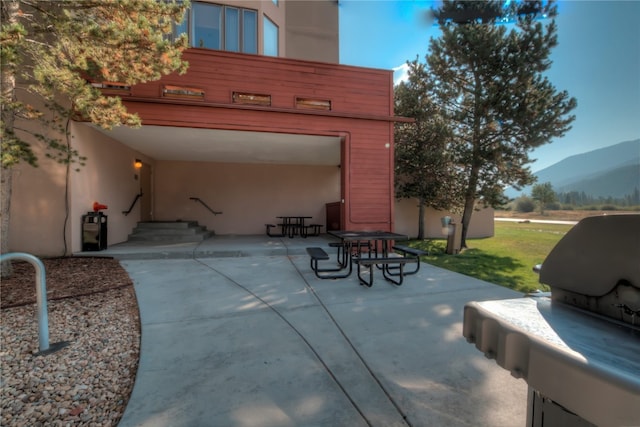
x=313 y=229
x=272 y=234
x=318 y=254
x=409 y=252
x=386 y=264
x=342 y=254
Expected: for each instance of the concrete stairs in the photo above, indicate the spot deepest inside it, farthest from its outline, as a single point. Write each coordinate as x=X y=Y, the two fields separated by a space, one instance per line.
x=169 y=231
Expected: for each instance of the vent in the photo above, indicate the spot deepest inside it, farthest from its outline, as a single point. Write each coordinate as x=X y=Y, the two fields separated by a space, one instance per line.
x=251 y=99
x=113 y=88
x=313 y=104
x=182 y=92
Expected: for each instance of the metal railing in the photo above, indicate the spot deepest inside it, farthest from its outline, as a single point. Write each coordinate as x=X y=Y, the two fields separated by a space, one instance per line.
x=41 y=301
x=197 y=199
x=132 y=204
x=41 y=295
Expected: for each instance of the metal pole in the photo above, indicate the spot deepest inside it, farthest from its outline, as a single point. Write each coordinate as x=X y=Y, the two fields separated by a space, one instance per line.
x=41 y=295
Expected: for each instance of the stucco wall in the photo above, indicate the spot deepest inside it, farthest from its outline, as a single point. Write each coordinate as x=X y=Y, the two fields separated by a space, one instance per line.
x=406 y=215
x=39 y=205
x=109 y=177
x=249 y=195
x=311 y=30
x=37 y=216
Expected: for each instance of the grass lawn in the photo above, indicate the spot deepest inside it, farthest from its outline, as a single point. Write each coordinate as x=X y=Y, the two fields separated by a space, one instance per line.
x=507 y=259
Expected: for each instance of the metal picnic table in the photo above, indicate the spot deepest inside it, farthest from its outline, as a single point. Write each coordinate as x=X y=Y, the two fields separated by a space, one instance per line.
x=366 y=249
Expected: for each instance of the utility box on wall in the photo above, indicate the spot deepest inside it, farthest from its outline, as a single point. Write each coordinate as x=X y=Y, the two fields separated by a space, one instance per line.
x=94 y=231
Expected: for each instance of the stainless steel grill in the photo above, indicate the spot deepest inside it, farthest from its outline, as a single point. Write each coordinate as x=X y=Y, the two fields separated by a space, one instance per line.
x=596 y=267
x=579 y=348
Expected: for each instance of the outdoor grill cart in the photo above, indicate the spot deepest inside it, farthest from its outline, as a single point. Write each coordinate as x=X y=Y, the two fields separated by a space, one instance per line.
x=578 y=348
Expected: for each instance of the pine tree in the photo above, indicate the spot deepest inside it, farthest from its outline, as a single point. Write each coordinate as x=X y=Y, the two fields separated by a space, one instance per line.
x=423 y=168
x=543 y=194
x=489 y=81
x=54 y=50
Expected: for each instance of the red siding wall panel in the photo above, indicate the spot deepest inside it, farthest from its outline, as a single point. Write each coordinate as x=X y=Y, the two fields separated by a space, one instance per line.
x=352 y=89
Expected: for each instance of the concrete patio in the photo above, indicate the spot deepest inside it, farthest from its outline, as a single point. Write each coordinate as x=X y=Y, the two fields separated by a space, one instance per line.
x=238 y=331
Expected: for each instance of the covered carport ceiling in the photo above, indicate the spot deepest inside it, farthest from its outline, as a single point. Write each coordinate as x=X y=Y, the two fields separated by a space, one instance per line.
x=224 y=146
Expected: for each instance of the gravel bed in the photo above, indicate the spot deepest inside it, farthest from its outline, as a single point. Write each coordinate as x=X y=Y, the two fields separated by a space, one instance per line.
x=85 y=383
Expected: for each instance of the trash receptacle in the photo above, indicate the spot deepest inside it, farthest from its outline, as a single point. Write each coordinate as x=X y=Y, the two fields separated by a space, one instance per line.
x=454 y=239
x=94 y=231
x=333 y=211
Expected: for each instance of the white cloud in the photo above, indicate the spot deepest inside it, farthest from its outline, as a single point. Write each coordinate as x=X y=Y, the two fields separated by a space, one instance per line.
x=400 y=73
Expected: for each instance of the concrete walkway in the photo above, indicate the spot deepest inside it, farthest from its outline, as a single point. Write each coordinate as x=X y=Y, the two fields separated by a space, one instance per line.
x=237 y=331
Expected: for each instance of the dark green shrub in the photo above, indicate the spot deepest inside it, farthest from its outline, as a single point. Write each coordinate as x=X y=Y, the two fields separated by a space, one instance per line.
x=525 y=204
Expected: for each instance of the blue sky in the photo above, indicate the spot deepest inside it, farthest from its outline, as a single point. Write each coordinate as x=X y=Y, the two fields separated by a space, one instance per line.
x=597 y=61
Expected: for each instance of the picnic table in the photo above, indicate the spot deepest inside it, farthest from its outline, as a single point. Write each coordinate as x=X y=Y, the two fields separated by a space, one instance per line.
x=294 y=225
x=367 y=249
x=373 y=240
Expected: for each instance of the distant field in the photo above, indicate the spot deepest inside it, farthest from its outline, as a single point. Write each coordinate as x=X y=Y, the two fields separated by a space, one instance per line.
x=507 y=259
x=559 y=215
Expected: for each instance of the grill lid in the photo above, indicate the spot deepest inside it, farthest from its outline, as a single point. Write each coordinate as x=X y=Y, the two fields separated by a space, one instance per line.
x=596 y=266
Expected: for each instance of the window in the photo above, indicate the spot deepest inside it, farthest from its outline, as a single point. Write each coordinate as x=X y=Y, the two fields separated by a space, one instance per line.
x=182 y=27
x=270 y=37
x=213 y=26
x=232 y=29
x=207 y=25
x=249 y=31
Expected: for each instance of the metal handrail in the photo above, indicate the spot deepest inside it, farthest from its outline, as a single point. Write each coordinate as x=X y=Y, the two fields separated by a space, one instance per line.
x=132 y=204
x=197 y=199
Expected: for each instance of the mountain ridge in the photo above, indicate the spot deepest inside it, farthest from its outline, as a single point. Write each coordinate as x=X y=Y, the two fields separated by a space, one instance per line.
x=612 y=171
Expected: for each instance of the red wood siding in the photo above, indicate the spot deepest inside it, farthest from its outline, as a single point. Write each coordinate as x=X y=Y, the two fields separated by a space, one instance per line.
x=352 y=90
x=361 y=100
